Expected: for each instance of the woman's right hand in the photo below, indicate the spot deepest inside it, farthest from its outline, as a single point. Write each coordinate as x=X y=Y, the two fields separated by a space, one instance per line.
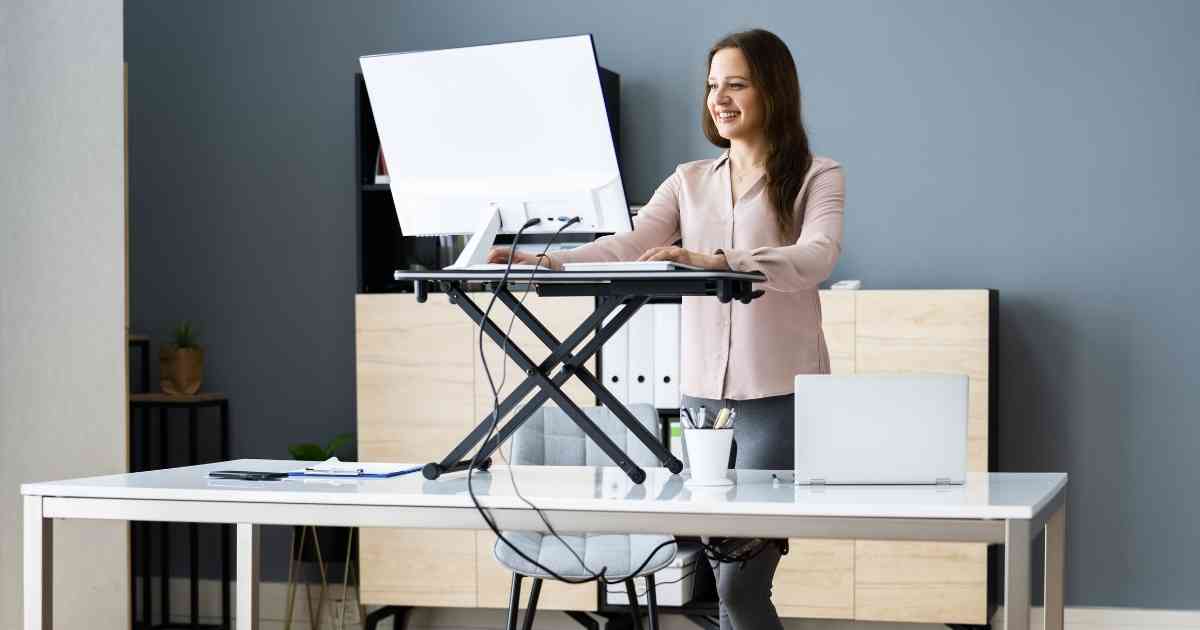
x=499 y=255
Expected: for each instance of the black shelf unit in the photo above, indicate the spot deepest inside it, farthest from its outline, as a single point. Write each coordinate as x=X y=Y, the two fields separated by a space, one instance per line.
x=382 y=246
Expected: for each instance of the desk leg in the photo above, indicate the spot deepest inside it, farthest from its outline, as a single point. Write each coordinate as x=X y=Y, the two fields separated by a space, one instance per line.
x=1017 y=574
x=249 y=537
x=193 y=529
x=1056 y=557
x=144 y=529
x=39 y=566
x=226 y=530
x=164 y=529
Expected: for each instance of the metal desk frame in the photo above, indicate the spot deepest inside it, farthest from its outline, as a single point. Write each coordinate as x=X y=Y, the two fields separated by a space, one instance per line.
x=619 y=294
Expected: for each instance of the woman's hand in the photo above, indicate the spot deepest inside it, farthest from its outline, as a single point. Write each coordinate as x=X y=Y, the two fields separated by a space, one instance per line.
x=672 y=253
x=500 y=255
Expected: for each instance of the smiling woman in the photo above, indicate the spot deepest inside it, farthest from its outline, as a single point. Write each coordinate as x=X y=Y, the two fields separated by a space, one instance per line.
x=752 y=74
x=767 y=205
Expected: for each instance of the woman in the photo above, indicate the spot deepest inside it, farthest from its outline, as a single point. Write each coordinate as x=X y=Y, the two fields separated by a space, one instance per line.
x=768 y=205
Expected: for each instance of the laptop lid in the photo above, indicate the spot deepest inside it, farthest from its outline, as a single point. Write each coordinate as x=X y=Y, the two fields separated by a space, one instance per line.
x=881 y=429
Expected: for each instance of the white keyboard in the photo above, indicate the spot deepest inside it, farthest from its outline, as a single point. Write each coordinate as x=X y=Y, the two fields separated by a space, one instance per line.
x=653 y=265
x=496 y=267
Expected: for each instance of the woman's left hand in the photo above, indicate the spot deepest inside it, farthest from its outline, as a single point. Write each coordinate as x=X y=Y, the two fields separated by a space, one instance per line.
x=715 y=262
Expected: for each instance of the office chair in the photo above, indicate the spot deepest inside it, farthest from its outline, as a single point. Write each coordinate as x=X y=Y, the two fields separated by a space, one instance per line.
x=550 y=438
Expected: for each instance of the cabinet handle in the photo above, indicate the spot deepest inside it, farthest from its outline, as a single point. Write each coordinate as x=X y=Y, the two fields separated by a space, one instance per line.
x=615 y=379
x=641 y=379
x=666 y=379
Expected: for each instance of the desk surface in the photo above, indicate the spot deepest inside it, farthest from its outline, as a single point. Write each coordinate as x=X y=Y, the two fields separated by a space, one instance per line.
x=984 y=496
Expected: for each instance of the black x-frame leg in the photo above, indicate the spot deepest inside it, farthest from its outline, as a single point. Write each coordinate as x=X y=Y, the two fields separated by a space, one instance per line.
x=538 y=375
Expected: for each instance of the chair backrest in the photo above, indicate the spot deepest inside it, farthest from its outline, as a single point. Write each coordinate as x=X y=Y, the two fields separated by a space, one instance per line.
x=551 y=438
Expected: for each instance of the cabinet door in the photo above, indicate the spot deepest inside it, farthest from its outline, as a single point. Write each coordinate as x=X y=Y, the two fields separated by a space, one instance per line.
x=920 y=582
x=931 y=331
x=837 y=322
x=939 y=332
x=413 y=369
x=816 y=579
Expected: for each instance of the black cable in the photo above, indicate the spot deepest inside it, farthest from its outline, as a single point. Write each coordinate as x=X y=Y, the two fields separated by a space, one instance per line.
x=504 y=377
x=641 y=594
x=710 y=551
x=600 y=576
x=496 y=414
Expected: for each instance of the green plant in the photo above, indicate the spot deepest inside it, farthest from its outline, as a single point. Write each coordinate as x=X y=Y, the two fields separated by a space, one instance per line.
x=309 y=451
x=186 y=336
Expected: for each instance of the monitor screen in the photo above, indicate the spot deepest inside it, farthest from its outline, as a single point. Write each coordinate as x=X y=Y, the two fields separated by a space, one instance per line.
x=517 y=126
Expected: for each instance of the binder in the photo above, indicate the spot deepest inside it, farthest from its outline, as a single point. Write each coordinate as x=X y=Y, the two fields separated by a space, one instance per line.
x=666 y=356
x=641 y=356
x=614 y=364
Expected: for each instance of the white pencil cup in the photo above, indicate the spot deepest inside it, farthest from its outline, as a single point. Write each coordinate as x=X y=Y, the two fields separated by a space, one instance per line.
x=708 y=456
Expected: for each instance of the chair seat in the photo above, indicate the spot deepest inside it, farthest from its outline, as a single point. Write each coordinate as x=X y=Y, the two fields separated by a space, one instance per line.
x=621 y=554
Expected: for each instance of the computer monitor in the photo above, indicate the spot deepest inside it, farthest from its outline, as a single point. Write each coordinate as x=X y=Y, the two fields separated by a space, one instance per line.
x=481 y=139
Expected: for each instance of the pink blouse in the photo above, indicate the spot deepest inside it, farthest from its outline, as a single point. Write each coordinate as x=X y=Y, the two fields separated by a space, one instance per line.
x=742 y=351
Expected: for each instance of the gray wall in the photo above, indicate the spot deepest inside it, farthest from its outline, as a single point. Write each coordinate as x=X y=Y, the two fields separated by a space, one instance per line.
x=1037 y=150
x=62 y=292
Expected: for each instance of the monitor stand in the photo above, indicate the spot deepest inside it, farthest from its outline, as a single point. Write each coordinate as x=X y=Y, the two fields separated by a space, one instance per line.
x=480 y=243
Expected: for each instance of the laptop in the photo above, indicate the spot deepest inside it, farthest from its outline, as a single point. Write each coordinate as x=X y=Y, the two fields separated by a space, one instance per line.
x=881 y=429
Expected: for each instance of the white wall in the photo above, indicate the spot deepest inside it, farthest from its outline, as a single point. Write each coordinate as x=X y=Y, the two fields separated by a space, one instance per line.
x=62 y=291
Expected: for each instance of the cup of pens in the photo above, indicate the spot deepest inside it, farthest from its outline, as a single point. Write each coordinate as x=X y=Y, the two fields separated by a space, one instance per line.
x=707 y=443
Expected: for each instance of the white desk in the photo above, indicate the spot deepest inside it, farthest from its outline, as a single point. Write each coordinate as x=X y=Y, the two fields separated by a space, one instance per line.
x=1005 y=508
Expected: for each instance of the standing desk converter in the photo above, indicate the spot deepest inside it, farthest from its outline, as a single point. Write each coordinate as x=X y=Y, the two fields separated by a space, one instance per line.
x=1001 y=508
x=619 y=295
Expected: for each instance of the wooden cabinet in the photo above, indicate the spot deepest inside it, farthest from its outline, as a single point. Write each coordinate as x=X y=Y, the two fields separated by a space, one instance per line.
x=421 y=388
x=413 y=367
x=931 y=331
x=920 y=582
x=927 y=332
x=816 y=579
x=909 y=332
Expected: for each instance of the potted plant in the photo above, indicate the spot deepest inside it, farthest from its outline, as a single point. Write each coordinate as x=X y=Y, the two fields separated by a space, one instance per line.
x=332 y=540
x=181 y=364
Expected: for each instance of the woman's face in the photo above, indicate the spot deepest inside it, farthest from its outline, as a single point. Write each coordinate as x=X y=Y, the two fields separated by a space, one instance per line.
x=733 y=101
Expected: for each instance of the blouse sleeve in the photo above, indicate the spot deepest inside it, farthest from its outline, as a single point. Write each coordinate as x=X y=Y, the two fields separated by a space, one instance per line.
x=656 y=224
x=809 y=261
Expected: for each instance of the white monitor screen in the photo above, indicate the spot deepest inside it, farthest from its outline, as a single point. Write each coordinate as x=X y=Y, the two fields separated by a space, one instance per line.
x=517 y=126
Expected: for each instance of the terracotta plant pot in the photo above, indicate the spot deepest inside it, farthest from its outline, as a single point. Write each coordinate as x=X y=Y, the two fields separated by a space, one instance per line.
x=180 y=370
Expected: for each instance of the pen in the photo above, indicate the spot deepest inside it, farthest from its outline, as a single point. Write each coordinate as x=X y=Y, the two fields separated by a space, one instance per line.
x=686 y=415
x=323 y=470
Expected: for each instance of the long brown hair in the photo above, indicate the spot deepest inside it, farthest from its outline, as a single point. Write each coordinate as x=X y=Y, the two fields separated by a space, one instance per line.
x=773 y=73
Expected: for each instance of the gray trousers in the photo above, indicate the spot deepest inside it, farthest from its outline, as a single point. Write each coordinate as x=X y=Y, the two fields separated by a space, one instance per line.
x=764 y=433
